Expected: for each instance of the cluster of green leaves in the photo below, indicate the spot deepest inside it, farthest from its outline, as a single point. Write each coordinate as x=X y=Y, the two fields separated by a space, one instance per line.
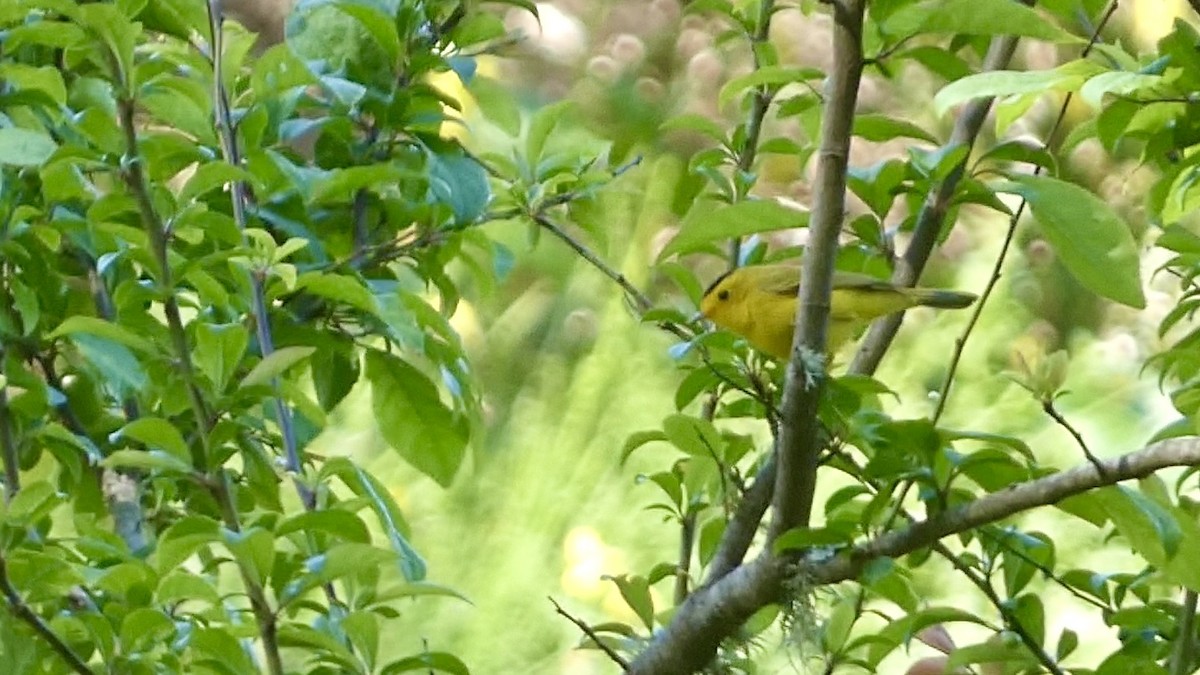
x=185 y=304
x=1145 y=102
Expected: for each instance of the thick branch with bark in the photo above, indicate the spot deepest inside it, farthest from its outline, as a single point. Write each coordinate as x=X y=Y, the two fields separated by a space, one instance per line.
x=714 y=612
x=799 y=437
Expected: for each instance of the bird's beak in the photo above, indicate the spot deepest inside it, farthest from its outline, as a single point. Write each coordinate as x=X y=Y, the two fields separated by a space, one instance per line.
x=698 y=317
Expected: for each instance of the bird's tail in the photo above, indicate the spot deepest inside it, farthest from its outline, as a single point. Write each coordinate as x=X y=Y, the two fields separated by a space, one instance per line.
x=931 y=297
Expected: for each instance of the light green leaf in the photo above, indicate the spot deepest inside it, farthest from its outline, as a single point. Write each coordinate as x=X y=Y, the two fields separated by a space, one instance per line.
x=1066 y=77
x=219 y=350
x=1092 y=241
x=148 y=460
x=710 y=222
x=413 y=419
x=391 y=518
x=1115 y=82
x=879 y=128
x=971 y=17
x=771 y=76
x=155 y=433
x=275 y=364
x=105 y=329
x=25 y=147
x=339 y=288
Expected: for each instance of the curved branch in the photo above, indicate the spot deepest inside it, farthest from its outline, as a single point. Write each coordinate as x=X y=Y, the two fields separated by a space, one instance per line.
x=714 y=612
x=933 y=212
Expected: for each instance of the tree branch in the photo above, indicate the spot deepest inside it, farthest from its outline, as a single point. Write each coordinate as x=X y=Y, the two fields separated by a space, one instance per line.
x=16 y=605
x=799 y=438
x=933 y=212
x=587 y=630
x=712 y=613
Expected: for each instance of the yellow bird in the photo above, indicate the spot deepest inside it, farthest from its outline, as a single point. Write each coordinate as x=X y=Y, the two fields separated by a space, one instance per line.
x=758 y=302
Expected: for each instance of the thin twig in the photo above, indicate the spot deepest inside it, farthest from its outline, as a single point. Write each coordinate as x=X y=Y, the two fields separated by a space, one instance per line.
x=760 y=101
x=591 y=634
x=152 y=223
x=933 y=212
x=1048 y=407
x=8 y=443
x=16 y=605
x=1184 y=653
x=961 y=343
x=1011 y=621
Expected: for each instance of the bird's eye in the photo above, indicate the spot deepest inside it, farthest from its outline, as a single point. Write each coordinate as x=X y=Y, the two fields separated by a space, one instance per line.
x=723 y=294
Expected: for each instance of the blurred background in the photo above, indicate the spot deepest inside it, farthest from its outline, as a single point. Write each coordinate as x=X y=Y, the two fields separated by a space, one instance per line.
x=544 y=507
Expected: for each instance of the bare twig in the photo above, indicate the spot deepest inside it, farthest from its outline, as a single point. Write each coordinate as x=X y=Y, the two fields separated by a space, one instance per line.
x=760 y=101
x=961 y=343
x=1048 y=407
x=1010 y=620
x=799 y=437
x=933 y=212
x=591 y=634
x=16 y=605
x=713 y=612
x=8 y=443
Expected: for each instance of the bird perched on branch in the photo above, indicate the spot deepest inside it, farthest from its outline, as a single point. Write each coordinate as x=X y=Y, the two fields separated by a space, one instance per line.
x=759 y=302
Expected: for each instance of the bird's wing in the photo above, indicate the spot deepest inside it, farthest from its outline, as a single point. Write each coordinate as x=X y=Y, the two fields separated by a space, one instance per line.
x=785 y=280
x=845 y=280
x=780 y=279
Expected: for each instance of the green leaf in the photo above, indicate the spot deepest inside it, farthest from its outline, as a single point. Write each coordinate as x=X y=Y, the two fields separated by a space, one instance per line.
x=1066 y=77
x=443 y=661
x=391 y=518
x=182 y=539
x=336 y=522
x=902 y=630
x=156 y=433
x=339 y=288
x=32 y=502
x=974 y=18
x=1093 y=242
x=710 y=222
x=879 y=128
x=772 y=77
x=212 y=175
x=808 y=537
x=1115 y=82
x=180 y=585
x=275 y=364
x=148 y=460
x=543 y=123
x=1150 y=529
x=461 y=183
x=339 y=561
x=219 y=350
x=113 y=362
x=695 y=436
x=105 y=329
x=636 y=591
x=638 y=439
x=413 y=419
x=25 y=147
x=254 y=550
